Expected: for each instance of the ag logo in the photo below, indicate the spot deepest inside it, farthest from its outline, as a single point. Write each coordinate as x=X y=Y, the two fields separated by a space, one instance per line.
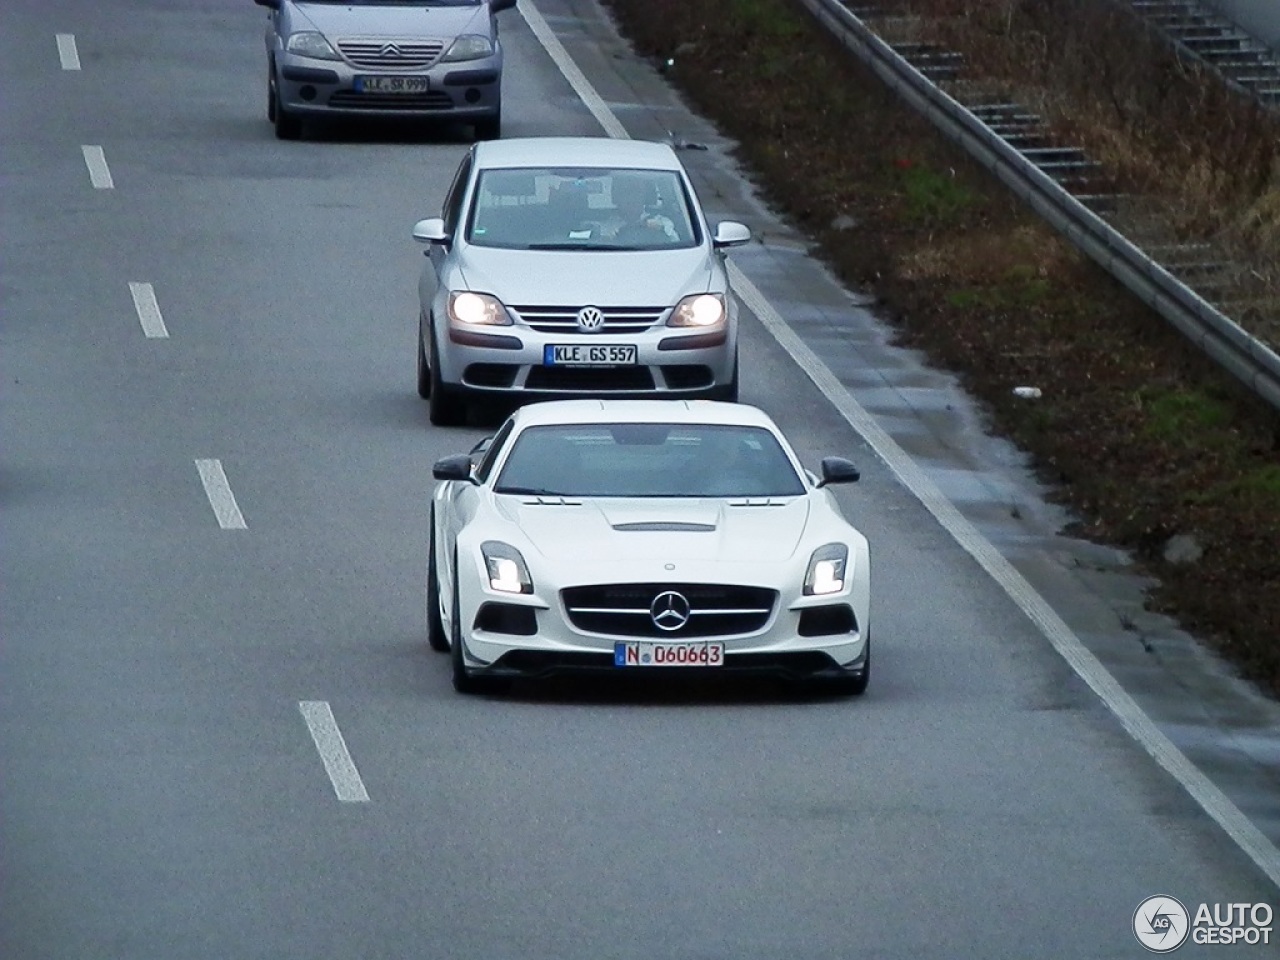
x=669 y=611
x=1161 y=924
x=590 y=319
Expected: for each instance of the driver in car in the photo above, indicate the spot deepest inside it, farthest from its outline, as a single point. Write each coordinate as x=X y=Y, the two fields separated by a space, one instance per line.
x=633 y=222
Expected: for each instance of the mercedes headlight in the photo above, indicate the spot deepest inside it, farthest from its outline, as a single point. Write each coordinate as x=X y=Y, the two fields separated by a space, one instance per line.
x=699 y=310
x=477 y=309
x=311 y=44
x=506 y=568
x=826 y=570
x=472 y=46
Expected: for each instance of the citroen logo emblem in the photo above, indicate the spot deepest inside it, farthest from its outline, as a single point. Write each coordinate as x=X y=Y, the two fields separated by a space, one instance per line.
x=590 y=319
x=669 y=611
x=390 y=51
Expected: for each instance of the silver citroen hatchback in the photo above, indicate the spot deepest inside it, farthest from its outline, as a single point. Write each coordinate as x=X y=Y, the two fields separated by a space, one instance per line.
x=408 y=59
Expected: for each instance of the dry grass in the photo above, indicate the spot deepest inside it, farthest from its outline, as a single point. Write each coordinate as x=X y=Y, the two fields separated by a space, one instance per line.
x=1207 y=158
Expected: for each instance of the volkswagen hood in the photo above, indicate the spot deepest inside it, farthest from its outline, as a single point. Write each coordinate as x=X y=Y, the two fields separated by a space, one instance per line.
x=603 y=279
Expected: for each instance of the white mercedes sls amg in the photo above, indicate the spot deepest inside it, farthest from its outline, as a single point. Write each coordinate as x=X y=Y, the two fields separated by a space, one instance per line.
x=625 y=535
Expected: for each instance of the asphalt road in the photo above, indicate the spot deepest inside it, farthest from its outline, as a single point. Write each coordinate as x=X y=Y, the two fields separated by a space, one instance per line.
x=213 y=547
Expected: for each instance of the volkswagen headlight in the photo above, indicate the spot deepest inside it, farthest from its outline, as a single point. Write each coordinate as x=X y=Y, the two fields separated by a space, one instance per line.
x=826 y=570
x=472 y=46
x=477 y=310
x=699 y=310
x=506 y=568
x=311 y=44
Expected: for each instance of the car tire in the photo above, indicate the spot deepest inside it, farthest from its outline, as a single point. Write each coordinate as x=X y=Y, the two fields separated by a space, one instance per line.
x=448 y=408
x=271 y=94
x=437 y=639
x=729 y=391
x=490 y=128
x=424 y=372
x=852 y=685
x=288 y=125
x=464 y=682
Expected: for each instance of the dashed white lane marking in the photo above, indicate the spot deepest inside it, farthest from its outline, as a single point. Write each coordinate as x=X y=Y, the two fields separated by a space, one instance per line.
x=220 y=496
x=67 y=52
x=333 y=751
x=1211 y=799
x=99 y=172
x=144 y=301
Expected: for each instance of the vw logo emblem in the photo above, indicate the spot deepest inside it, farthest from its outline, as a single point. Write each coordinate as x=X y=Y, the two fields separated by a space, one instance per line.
x=590 y=319
x=390 y=51
x=669 y=611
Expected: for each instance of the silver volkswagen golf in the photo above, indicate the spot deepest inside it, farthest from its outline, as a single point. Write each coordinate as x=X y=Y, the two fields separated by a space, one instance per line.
x=574 y=266
x=409 y=59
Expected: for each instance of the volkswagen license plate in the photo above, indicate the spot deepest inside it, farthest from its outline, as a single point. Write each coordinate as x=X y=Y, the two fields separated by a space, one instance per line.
x=589 y=355
x=392 y=85
x=650 y=654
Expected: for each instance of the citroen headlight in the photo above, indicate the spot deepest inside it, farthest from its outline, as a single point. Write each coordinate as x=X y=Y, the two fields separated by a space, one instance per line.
x=477 y=309
x=471 y=46
x=506 y=568
x=699 y=310
x=311 y=44
x=826 y=570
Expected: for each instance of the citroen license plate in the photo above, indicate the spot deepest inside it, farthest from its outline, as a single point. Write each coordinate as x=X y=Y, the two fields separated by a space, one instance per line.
x=656 y=654
x=392 y=85
x=589 y=355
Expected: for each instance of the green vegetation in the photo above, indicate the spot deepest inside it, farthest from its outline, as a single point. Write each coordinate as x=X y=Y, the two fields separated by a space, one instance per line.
x=1020 y=287
x=1183 y=416
x=778 y=21
x=934 y=198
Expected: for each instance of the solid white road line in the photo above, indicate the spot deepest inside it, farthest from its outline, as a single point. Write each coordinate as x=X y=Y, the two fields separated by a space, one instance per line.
x=220 y=496
x=144 y=301
x=333 y=751
x=577 y=79
x=1211 y=799
x=99 y=172
x=67 y=51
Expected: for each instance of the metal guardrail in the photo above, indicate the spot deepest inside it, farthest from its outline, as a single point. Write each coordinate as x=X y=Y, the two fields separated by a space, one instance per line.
x=1251 y=361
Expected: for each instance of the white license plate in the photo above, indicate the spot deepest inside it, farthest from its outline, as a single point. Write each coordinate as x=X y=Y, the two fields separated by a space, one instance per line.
x=647 y=654
x=589 y=355
x=392 y=85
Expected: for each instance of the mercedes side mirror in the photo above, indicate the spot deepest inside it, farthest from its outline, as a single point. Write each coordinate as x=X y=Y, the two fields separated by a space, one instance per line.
x=838 y=470
x=457 y=467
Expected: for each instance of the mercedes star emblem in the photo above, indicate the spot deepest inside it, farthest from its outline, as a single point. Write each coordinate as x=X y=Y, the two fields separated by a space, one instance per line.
x=669 y=610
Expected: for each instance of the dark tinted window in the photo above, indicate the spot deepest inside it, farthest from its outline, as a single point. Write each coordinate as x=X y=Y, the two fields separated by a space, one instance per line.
x=490 y=453
x=649 y=460
x=452 y=212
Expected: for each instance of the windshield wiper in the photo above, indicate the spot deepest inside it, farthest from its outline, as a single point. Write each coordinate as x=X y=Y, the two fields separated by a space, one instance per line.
x=578 y=245
x=529 y=491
